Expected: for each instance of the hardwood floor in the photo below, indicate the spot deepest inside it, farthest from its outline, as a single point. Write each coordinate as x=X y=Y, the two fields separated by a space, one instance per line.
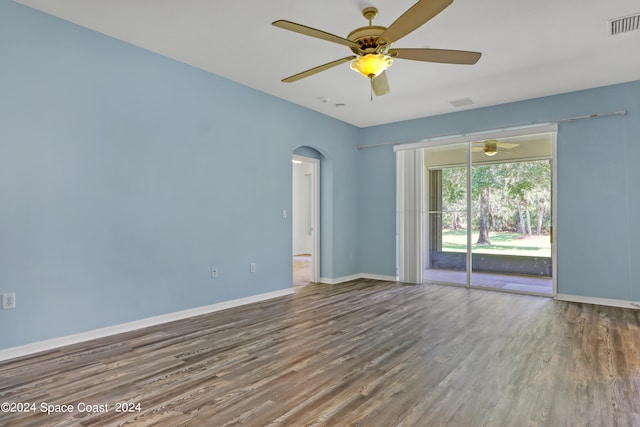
x=301 y=270
x=363 y=353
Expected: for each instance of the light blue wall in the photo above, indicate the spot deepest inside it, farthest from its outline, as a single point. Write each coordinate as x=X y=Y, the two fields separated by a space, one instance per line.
x=598 y=185
x=125 y=176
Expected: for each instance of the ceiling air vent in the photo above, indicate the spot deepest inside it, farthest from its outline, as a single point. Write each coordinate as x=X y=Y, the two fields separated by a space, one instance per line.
x=462 y=102
x=624 y=24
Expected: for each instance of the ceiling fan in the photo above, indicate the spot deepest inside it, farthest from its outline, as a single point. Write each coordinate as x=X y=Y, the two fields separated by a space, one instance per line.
x=490 y=147
x=372 y=49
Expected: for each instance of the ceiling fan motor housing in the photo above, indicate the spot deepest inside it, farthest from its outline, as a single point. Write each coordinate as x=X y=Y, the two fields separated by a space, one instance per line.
x=367 y=39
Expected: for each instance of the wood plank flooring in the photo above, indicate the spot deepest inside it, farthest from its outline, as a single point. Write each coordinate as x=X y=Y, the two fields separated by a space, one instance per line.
x=365 y=353
x=301 y=270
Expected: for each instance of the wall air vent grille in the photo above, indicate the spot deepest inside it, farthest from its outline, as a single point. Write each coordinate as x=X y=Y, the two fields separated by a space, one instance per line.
x=624 y=24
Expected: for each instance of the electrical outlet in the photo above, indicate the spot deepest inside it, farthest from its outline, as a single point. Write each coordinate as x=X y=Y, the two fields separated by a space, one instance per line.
x=8 y=301
x=214 y=273
x=252 y=267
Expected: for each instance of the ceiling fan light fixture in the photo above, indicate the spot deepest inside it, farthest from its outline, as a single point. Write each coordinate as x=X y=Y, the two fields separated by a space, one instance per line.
x=372 y=64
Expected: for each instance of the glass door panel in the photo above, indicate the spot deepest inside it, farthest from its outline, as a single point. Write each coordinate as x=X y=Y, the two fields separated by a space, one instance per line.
x=511 y=215
x=446 y=228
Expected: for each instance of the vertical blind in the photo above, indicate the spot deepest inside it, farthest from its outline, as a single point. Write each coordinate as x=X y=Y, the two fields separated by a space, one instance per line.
x=410 y=214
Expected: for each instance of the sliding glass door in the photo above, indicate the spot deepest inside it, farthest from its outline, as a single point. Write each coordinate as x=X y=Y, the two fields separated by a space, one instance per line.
x=489 y=213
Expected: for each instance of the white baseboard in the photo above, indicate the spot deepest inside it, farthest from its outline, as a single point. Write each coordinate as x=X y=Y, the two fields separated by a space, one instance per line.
x=337 y=280
x=343 y=279
x=379 y=277
x=51 y=344
x=598 y=301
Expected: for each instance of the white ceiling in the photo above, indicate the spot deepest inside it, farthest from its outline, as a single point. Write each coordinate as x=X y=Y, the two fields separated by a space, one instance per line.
x=530 y=48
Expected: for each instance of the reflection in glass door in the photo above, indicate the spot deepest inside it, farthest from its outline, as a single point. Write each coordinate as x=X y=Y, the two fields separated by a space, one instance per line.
x=489 y=222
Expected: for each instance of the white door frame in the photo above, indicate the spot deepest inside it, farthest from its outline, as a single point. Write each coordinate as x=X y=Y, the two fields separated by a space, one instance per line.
x=315 y=215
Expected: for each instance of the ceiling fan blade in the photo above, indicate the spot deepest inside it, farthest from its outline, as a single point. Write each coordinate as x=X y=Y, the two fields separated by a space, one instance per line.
x=312 y=32
x=380 y=84
x=414 y=17
x=318 y=69
x=501 y=144
x=443 y=56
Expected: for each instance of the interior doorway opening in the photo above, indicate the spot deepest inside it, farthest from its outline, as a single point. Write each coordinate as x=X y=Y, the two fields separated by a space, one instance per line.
x=305 y=219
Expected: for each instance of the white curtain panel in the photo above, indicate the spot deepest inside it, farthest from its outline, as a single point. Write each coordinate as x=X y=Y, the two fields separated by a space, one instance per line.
x=410 y=214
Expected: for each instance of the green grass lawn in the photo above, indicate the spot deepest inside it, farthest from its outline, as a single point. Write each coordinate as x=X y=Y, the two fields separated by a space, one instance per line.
x=503 y=243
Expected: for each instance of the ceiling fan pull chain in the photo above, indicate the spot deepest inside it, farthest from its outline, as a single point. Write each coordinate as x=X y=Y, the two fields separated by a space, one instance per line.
x=371 y=81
